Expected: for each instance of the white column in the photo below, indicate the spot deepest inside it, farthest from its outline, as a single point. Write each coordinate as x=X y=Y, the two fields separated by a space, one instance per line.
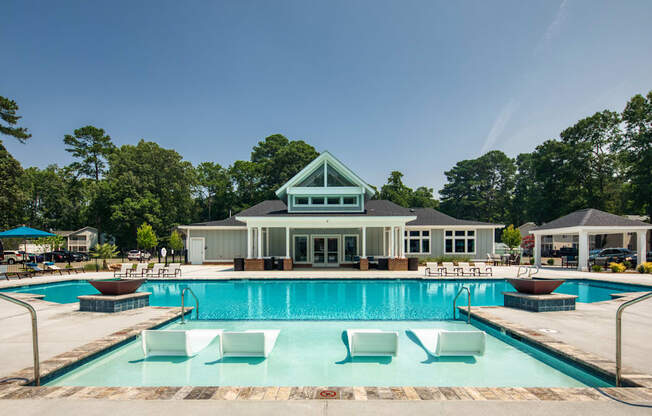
x=537 y=250
x=402 y=240
x=250 y=242
x=624 y=240
x=641 y=246
x=392 y=246
x=260 y=242
x=287 y=242
x=583 y=252
x=364 y=242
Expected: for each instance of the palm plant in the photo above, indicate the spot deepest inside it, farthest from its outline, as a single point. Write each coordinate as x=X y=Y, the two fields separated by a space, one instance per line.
x=104 y=251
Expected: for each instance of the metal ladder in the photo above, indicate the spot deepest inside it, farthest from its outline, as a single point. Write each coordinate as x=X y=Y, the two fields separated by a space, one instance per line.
x=183 y=308
x=526 y=270
x=619 y=317
x=468 y=305
x=32 y=312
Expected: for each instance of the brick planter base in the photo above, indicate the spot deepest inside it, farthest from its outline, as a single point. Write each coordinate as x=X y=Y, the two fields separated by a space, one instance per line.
x=540 y=303
x=397 y=264
x=254 y=265
x=102 y=303
x=364 y=264
x=287 y=264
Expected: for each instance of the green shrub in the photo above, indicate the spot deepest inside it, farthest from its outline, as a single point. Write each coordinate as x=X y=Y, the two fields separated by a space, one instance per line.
x=617 y=267
x=596 y=268
x=645 y=267
x=68 y=266
x=150 y=265
x=627 y=264
x=531 y=261
x=90 y=267
x=550 y=262
x=441 y=259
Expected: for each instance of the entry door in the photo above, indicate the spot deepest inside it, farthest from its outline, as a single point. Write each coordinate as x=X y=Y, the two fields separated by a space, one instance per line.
x=196 y=251
x=326 y=251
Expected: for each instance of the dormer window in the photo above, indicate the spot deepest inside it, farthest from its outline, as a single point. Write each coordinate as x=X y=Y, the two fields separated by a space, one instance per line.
x=315 y=180
x=335 y=179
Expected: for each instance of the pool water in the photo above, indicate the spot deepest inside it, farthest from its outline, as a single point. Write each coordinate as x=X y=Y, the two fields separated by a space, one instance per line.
x=328 y=299
x=314 y=353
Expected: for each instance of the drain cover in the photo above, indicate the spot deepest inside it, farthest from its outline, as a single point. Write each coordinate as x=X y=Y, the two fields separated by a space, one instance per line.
x=548 y=330
x=328 y=394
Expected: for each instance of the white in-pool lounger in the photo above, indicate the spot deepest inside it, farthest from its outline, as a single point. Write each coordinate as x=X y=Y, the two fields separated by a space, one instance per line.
x=250 y=343
x=439 y=342
x=171 y=342
x=372 y=342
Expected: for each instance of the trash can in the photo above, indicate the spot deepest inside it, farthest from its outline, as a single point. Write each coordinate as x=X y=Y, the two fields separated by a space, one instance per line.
x=413 y=263
x=383 y=263
x=238 y=264
x=269 y=263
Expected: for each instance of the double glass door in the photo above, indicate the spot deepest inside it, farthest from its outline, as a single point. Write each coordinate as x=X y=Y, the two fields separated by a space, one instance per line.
x=325 y=251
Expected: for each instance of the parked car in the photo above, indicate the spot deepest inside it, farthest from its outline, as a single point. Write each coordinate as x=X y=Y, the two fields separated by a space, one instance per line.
x=32 y=257
x=612 y=255
x=82 y=256
x=634 y=257
x=13 y=256
x=138 y=255
x=594 y=253
x=55 y=256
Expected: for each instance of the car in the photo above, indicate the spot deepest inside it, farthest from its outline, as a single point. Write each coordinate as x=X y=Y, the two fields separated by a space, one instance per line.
x=55 y=256
x=594 y=253
x=82 y=256
x=612 y=255
x=13 y=256
x=69 y=255
x=138 y=255
x=634 y=257
x=32 y=257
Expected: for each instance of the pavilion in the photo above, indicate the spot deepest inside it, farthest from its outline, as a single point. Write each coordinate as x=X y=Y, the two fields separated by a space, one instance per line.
x=587 y=222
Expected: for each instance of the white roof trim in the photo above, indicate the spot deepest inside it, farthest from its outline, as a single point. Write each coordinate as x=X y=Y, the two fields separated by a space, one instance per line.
x=326 y=221
x=592 y=229
x=329 y=158
x=457 y=227
x=211 y=227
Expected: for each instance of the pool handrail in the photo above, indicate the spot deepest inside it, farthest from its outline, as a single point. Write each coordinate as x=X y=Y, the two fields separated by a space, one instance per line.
x=32 y=312
x=619 y=318
x=183 y=309
x=468 y=306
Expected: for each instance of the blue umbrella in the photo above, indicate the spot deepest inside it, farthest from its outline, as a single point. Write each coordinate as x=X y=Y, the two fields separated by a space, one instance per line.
x=25 y=233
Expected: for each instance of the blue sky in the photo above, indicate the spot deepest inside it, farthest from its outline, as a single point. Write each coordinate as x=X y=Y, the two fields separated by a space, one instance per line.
x=413 y=86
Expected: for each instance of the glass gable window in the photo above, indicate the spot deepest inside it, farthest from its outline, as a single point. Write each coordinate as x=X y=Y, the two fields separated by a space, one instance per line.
x=336 y=179
x=315 y=180
x=459 y=242
x=417 y=242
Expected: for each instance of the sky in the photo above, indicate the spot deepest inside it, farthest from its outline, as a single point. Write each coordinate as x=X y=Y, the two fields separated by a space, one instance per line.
x=414 y=86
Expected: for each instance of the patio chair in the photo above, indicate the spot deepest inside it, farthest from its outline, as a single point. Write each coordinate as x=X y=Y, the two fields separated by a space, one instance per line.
x=464 y=269
x=442 y=343
x=34 y=268
x=482 y=269
x=372 y=342
x=3 y=271
x=139 y=270
x=449 y=269
x=173 y=270
x=494 y=259
x=171 y=342
x=250 y=343
x=432 y=269
x=155 y=270
x=53 y=267
x=124 y=270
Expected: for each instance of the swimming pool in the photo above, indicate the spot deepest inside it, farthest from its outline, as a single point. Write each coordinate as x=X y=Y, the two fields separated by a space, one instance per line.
x=314 y=353
x=328 y=299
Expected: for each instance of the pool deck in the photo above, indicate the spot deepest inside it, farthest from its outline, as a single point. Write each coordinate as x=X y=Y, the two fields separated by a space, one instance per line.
x=68 y=335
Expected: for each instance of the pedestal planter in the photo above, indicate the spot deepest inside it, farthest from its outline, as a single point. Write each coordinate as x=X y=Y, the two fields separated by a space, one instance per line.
x=535 y=287
x=117 y=287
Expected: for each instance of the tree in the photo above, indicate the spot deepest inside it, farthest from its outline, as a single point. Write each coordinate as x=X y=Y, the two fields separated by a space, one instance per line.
x=54 y=242
x=245 y=179
x=92 y=147
x=217 y=190
x=635 y=148
x=146 y=237
x=511 y=237
x=146 y=183
x=104 y=251
x=8 y=109
x=480 y=189
x=423 y=197
x=395 y=190
x=12 y=194
x=176 y=243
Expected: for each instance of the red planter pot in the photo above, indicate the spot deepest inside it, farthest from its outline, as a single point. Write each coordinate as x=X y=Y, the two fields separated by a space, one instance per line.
x=535 y=287
x=117 y=287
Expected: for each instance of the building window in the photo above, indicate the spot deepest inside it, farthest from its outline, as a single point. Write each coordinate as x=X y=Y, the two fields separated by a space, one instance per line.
x=350 y=247
x=459 y=242
x=350 y=200
x=301 y=201
x=317 y=200
x=333 y=201
x=417 y=242
x=301 y=248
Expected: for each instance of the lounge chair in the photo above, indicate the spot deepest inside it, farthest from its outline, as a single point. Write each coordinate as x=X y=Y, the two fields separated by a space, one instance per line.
x=372 y=342
x=173 y=270
x=250 y=343
x=139 y=270
x=449 y=269
x=53 y=268
x=482 y=269
x=464 y=269
x=494 y=259
x=432 y=269
x=3 y=271
x=441 y=343
x=155 y=270
x=124 y=270
x=34 y=268
x=171 y=342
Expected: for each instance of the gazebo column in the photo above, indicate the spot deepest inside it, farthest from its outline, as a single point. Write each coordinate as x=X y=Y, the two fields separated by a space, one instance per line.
x=364 y=262
x=287 y=261
x=641 y=246
x=250 y=242
x=537 y=250
x=583 y=251
x=259 y=235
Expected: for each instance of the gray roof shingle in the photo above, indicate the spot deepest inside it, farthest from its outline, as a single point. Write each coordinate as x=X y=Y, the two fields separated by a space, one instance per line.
x=590 y=217
x=430 y=216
